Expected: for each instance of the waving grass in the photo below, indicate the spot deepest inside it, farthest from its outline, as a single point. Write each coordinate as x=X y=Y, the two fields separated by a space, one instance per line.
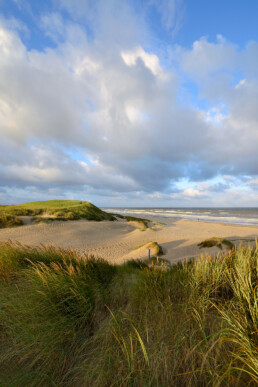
x=69 y=320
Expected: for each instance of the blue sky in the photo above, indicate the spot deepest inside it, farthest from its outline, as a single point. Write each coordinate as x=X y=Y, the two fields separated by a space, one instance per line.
x=234 y=19
x=129 y=103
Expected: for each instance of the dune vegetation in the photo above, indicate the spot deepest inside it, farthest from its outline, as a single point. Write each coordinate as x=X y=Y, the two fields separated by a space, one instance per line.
x=7 y=221
x=216 y=242
x=67 y=320
x=154 y=247
x=53 y=210
x=142 y=222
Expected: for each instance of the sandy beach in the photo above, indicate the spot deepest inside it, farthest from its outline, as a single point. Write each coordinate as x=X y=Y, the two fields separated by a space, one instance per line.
x=120 y=241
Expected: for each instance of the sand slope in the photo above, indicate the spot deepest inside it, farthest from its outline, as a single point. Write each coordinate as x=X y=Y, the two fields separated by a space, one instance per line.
x=117 y=241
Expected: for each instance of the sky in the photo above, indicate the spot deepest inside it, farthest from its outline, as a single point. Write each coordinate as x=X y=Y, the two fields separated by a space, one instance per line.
x=147 y=103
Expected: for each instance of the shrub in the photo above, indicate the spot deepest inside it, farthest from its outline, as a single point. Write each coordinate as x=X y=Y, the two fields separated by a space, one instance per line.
x=10 y=221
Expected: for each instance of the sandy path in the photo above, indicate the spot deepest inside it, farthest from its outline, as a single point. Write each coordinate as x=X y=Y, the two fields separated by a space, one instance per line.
x=116 y=241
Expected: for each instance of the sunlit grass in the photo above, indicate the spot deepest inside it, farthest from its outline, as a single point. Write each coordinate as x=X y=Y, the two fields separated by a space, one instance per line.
x=71 y=320
x=155 y=248
x=141 y=221
x=58 y=209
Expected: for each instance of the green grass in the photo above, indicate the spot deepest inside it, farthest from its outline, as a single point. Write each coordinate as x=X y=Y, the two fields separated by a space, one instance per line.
x=60 y=209
x=217 y=242
x=68 y=320
x=7 y=221
x=142 y=221
x=155 y=248
x=45 y=205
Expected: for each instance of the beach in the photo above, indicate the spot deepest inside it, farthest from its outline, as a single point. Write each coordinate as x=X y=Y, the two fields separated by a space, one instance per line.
x=120 y=240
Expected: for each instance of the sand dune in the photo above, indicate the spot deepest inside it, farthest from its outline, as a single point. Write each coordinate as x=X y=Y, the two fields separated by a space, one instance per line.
x=119 y=241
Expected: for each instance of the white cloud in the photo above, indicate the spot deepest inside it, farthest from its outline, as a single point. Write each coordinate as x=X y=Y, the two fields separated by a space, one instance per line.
x=206 y=58
x=240 y=84
x=151 y=61
x=189 y=193
x=192 y=193
x=254 y=182
x=113 y=102
x=216 y=115
x=171 y=12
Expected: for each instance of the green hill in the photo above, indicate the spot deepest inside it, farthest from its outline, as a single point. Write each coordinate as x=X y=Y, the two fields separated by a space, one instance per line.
x=57 y=209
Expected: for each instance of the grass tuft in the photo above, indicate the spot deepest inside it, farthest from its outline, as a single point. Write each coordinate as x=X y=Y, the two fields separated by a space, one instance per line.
x=143 y=222
x=156 y=249
x=7 y=221
x=217 y=242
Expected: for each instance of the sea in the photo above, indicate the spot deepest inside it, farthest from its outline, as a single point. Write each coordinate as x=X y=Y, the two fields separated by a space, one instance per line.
x=240 y=216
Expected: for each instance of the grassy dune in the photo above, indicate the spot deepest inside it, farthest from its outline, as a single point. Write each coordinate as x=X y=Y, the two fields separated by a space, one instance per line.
x=141 y=221
x=51 y=210
x=59 y=209
x=66 y=320
x=155 y=248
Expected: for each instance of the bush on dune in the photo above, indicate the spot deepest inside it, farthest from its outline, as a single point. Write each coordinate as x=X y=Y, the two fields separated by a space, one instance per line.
x=216 y=242
x=67 y=320
x=7 y=221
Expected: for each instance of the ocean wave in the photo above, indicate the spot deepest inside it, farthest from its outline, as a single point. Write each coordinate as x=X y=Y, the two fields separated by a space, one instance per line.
x=235 y=216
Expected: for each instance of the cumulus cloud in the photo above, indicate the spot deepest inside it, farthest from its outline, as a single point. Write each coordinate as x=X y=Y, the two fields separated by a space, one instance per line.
x=100 y=113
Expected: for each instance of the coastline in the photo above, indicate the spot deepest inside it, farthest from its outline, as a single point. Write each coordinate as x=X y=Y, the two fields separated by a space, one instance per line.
x=208 y=215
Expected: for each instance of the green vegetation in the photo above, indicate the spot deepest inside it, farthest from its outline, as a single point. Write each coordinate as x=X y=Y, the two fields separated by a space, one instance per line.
x=58 y=209
x=142 y=222
x=118 y=216
x=41 y=219
x=9 y=221
x=68 y=320
x=217 y=242
x=155 y=248
x=62 y=210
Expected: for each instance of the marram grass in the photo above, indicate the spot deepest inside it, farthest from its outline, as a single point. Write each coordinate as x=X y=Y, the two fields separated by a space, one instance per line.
x=67 y=320
x=217 y=242
x=7 y=221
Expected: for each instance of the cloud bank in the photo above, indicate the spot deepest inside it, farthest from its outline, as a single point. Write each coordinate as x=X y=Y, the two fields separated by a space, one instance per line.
x=100 y=114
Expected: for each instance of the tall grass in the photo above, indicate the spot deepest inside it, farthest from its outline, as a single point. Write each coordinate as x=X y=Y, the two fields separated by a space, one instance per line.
x=70 y=320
